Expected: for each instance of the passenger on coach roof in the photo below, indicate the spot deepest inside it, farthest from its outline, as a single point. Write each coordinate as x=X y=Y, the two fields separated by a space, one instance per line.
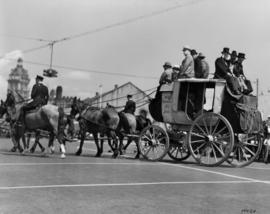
x=222 y=65
x=175 y=72
x=166 y=76
x=202 y=70
x=187 y=65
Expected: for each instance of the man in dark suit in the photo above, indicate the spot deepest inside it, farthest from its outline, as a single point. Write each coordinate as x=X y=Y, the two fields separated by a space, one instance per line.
x=130 y=106
x=222 y=65
x=40 y=96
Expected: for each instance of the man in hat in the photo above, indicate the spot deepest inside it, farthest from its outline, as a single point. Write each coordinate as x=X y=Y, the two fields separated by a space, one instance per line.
x=130 y=106
x=40 y=96
x=222 y=65
x=223 y=71
x=187 y=65
x=202 y=70
x=166 y=76
x=175 y=72
x=238 y=69
x=194 y=55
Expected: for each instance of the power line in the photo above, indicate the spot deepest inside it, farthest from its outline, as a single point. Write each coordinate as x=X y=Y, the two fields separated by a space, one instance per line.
x=90 y=70
x=27 y=51
x=26 y=38
x=127 y=21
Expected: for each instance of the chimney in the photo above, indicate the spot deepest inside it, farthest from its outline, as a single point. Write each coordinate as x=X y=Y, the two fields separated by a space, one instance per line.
x=97 y=94
x=115 y=86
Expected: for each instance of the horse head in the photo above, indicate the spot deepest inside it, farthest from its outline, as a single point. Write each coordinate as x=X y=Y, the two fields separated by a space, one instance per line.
x=3 y=109
x=77 y=107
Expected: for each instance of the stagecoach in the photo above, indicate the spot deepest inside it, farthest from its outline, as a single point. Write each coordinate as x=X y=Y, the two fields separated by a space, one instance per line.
x=198 y=117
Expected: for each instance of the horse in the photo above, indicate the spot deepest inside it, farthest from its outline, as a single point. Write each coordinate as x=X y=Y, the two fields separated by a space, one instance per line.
x=96 y=120
x=16 y=145
x=136 y=123
x=48 y=117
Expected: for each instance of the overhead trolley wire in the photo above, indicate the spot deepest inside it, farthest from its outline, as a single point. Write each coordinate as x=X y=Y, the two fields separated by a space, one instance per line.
x=128 y=21
x=26 y=51
x=88 y=70
x=26 y=38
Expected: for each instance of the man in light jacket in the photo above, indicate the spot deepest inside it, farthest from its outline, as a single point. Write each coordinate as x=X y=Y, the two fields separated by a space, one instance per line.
x=187 y=65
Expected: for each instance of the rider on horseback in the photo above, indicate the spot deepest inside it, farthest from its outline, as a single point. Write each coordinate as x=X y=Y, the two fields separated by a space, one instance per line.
x=40 y=96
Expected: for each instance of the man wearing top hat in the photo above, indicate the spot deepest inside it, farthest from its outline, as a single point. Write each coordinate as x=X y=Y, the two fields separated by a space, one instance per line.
x=40 y=96
x=222 y=65
x=238 y=70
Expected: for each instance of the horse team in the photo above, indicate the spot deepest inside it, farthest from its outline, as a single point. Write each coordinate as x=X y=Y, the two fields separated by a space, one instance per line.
x=52 y=119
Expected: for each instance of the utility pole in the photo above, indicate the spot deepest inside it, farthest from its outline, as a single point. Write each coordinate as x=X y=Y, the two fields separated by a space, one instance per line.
x=257 y=91
x=100 y=95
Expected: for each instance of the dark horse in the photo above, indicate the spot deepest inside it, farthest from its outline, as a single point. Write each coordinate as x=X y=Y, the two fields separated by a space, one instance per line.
x=48 y=117
x=141 y=121
x=95 y=120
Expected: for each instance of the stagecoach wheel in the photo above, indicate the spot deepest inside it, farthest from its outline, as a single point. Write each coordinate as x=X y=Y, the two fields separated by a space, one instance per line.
x=153 y=143
x=246 y=149
x=210 y=139
x=179 y=151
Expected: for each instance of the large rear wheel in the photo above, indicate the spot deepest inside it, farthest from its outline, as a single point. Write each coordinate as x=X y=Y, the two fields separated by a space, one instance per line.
x=153 y=143
x=210 y=139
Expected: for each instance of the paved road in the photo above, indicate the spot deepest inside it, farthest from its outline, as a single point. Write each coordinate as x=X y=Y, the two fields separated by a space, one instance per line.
x=85 y=184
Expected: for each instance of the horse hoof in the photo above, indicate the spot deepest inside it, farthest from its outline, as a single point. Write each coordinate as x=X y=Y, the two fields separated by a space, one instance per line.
x=98 y=155
x=13 y=149
x=52 y=150
x=63 y=156
x=78 y=153
x=115 y=155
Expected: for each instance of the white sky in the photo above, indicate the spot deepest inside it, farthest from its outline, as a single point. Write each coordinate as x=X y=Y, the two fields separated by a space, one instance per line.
x=138 y=48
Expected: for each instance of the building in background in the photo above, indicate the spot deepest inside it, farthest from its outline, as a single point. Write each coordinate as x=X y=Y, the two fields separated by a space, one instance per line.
x=117 y=97
x=18 y=80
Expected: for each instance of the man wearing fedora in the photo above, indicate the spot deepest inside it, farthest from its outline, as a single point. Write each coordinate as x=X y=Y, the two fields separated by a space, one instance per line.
x=187 y=65
x=40 y=96
x=166 y=76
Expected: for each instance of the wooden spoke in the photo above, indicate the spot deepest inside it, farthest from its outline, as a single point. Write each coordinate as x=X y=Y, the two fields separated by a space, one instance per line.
x=244 y=154
x=201 y=130
x=214 y=152
x=221 y=130
x=197 y=141
x=198 y=135
x=197 y=149
x=205 y=125
x=219 y=149
x=216 y=126
x=251 y=152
